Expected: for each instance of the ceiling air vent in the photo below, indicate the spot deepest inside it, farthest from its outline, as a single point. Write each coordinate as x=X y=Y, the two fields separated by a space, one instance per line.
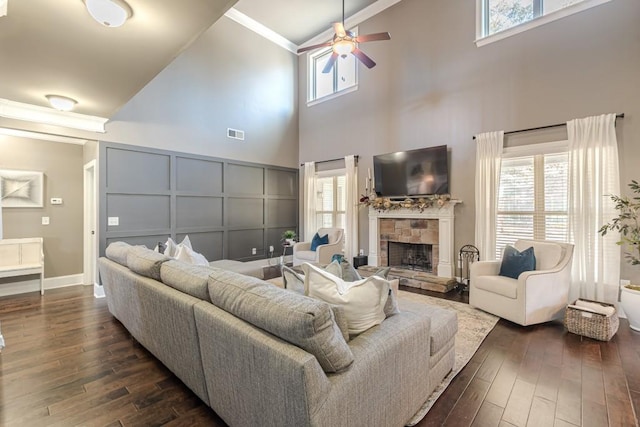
x=235 y=134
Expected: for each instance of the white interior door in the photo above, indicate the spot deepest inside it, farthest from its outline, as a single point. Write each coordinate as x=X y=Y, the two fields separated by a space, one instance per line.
x=90 y=238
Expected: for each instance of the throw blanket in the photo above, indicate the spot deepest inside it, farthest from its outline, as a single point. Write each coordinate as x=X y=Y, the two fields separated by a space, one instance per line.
x=594 y=307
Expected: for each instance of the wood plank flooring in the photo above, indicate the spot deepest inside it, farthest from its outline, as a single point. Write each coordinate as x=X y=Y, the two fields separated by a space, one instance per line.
x=68 y=362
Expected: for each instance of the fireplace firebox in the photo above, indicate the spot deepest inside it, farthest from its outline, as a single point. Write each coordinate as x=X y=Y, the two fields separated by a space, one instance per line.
x=414 y=256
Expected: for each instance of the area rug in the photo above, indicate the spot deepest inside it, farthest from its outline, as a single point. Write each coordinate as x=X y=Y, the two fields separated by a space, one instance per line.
x=473 y=326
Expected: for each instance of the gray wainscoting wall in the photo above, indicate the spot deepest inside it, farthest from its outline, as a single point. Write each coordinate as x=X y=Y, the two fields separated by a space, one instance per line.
x=228 y=208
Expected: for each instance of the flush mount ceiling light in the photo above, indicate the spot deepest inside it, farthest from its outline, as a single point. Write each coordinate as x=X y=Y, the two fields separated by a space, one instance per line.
x=61 y=103
x=110 y=13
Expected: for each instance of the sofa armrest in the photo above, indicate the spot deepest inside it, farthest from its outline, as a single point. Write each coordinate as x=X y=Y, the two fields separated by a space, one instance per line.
x=301 y=246
x=391 y=365
x=254 y=378
x=325 y=252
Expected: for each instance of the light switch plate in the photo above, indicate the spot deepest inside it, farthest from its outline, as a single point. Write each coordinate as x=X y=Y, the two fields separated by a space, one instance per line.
x=113 y=221
x=45 y=220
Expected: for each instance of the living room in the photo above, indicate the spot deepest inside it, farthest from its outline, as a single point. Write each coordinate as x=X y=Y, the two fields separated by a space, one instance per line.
x=432 y=86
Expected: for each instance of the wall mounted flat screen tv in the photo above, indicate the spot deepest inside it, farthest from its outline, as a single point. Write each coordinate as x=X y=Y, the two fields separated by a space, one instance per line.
x=418 y=172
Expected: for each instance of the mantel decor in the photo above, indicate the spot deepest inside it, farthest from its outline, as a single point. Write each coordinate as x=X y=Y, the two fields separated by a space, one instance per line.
x=413 y=203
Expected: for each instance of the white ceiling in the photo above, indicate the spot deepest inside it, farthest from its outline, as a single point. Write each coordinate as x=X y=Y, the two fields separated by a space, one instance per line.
x=55 y=47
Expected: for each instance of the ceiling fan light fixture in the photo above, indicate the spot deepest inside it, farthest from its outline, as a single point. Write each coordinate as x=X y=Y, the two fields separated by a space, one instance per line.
x=344 y=47
x=61 y=103
x=110 y=13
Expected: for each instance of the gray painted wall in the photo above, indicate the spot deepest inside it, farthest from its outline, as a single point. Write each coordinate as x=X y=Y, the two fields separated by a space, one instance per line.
x=229 y=78
x=62 y=167
x=433 y=86
x=227 y=207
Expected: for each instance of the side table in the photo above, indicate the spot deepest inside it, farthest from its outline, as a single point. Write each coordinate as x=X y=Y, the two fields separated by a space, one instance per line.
x=360 y=260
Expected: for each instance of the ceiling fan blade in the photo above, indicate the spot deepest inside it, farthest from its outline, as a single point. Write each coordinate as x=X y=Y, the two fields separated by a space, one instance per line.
x=312 y=47
x=332 y=60
x=373 y=37
x=364 y=58
x=339 y=29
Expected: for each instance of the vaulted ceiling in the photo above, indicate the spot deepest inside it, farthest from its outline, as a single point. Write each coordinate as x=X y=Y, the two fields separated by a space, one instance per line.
x=55 y=47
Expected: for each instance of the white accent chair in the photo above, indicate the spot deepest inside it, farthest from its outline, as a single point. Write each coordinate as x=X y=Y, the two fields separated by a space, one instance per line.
x=322 y=255
x=536 y=296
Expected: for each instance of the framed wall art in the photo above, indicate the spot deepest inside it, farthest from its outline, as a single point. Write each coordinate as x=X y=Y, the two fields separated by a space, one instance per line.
x=21 y=189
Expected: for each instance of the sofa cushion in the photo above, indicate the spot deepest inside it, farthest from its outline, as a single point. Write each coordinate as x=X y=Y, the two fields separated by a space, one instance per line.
x=500 y=285
x=187 y=278
x=297 y=319
x=117 y=251
x=363 y=300
x=189 y=256
x=515 y=262
x=145 y=261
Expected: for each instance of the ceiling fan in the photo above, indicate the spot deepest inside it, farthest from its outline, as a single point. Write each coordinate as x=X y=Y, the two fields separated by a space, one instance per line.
x=344 y=43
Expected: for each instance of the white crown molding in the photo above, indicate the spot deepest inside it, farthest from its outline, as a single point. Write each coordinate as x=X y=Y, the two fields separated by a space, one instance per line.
x=353 y=20
x=42 y=136
x=260 y=29
x=38 y=114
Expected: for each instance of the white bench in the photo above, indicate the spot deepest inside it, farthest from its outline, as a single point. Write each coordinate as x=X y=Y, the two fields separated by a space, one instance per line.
x=21 y=257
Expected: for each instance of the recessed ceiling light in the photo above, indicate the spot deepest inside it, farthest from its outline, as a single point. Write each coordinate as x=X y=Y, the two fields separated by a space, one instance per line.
x=61 y=103
x=110 y=13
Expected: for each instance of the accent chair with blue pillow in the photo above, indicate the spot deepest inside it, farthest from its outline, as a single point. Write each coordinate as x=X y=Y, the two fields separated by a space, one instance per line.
x=317 y=251
x=529 y=286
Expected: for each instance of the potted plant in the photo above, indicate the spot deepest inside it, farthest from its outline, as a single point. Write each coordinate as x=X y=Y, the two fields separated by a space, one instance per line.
x=289 y=236
x=628 y=225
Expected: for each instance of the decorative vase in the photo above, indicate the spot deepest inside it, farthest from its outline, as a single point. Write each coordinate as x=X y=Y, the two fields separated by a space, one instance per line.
x=630 y=301
x=290 y=242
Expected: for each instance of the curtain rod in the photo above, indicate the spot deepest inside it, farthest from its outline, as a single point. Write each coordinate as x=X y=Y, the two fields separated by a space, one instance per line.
x=333 y=160
x=618 y=116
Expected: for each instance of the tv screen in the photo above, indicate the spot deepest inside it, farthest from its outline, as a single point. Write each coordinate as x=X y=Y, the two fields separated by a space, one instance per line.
x=412 y=173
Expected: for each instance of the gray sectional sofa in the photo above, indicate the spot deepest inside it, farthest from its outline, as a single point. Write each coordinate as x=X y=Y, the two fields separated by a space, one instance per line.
x=260 y=355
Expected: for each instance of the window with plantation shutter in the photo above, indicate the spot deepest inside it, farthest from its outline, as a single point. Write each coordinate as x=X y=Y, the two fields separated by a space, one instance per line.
x=532 y=202
x=331 y=201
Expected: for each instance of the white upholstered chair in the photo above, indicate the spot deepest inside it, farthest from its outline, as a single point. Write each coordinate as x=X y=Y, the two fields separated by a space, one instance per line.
x=322 y=255
x=536 y=296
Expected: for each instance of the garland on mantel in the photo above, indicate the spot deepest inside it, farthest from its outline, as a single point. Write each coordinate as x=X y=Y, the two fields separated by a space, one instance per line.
x=418 y=204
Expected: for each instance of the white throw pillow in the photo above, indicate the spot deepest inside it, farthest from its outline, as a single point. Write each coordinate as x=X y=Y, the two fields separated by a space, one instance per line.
x=363 y=300
x=188 y=255
x=171 y=248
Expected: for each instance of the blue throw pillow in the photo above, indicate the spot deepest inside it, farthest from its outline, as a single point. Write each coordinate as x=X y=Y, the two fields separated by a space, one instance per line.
x=515 y=262
x=317 y=241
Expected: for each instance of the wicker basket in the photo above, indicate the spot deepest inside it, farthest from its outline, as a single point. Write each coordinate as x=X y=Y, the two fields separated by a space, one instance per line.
x=589 y=324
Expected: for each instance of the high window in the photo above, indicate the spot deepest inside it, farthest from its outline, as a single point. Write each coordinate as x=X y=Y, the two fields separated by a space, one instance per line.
x=508 y=17
x=343 y=77
x=331 y=200
x=533 y=198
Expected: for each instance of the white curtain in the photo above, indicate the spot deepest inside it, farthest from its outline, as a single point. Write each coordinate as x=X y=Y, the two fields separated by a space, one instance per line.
x=593 y=176
x=488 y=158
x=351 y=225
x=309 y=207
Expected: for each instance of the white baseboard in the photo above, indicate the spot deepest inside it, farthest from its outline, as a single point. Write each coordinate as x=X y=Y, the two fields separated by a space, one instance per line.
x=98 y=291
x=33 y=285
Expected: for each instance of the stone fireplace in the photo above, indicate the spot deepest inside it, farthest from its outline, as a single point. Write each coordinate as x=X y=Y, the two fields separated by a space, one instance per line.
x=427 y=234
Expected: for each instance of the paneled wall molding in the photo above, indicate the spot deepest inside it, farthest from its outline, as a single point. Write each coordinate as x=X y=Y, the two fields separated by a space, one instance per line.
x=227 y=207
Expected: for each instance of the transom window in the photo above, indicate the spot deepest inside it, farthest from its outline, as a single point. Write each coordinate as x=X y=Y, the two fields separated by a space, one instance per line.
x=533 y=199
x=343 y=77
x=508 y=17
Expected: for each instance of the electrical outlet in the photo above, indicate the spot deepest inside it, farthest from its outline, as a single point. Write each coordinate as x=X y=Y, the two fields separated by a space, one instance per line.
x=113 y=221
x=253 y=251
x=271 y=248
x=45 y=220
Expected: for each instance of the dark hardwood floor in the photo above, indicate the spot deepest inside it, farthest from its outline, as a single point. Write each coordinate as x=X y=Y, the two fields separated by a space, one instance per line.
x=68 y=362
